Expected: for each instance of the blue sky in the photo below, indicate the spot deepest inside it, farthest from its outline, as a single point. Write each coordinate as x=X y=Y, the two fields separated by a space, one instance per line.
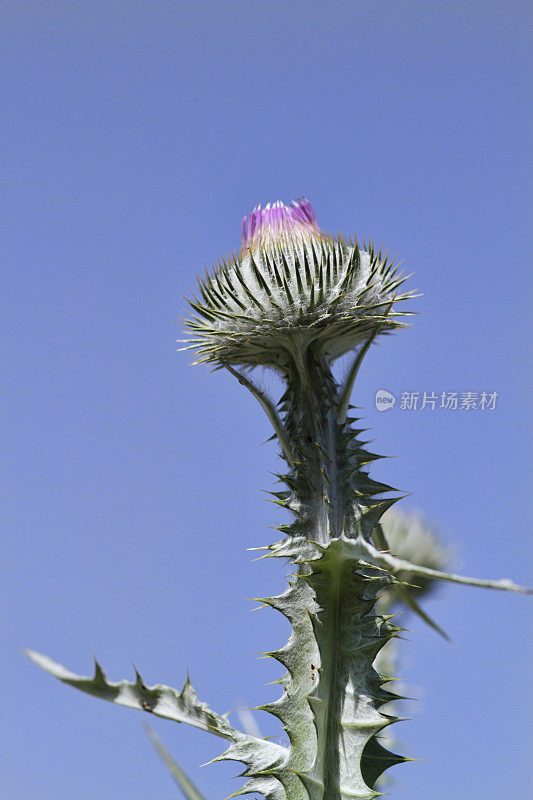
x=134 y=136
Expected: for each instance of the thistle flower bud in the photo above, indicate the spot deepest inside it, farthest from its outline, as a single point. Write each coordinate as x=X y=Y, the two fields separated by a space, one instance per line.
x=292 y=287
x=412 y=539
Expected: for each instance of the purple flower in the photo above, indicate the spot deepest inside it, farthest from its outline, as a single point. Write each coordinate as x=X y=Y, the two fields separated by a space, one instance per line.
x=277 y=219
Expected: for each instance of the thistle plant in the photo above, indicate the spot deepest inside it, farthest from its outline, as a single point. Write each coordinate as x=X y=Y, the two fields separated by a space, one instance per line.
x=294 y=300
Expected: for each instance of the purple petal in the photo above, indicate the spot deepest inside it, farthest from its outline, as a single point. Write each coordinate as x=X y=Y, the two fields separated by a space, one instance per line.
x=277 y=218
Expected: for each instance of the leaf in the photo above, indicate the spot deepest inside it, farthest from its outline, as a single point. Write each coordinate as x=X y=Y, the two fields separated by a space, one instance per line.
x=395 y=565
x=182 y=779
x=411 y=603
x=259 y=755
x=163 y=701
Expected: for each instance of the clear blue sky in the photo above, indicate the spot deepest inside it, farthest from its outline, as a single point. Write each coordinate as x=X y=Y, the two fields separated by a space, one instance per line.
x=134 y=136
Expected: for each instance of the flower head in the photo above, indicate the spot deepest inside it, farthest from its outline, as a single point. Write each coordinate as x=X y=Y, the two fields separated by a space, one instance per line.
x=292 y=287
